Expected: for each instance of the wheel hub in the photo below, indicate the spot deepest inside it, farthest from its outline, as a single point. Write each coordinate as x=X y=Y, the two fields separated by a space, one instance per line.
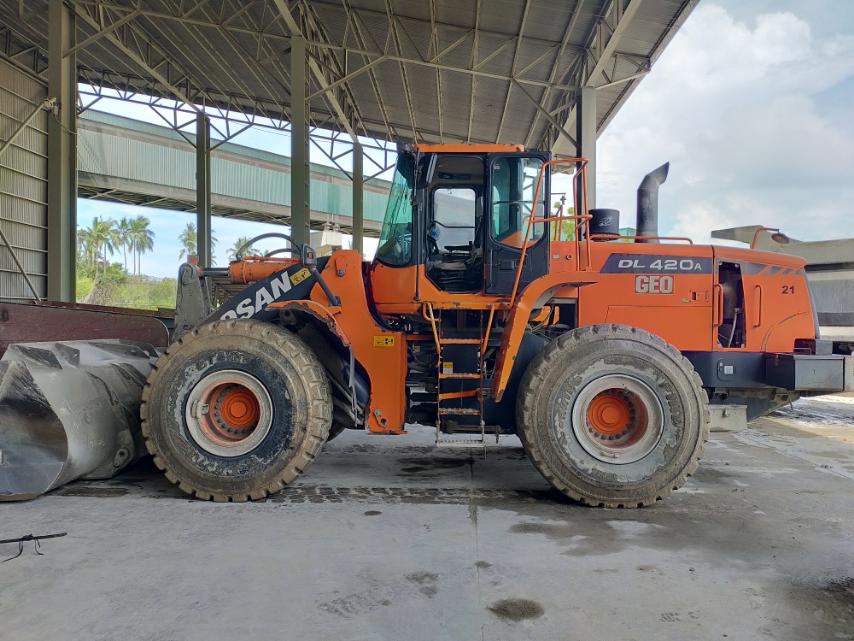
x=229 y=413
x=617 y=419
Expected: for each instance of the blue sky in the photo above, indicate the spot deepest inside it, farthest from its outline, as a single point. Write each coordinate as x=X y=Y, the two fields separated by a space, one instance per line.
x=751 y=103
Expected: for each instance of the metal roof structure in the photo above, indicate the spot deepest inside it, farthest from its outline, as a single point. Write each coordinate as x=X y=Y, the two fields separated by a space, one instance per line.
x=424 y=70
x=343 y=77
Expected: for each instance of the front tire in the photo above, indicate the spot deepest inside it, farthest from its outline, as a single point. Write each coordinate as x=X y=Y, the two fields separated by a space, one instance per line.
x=236 y=410
x=613 y=416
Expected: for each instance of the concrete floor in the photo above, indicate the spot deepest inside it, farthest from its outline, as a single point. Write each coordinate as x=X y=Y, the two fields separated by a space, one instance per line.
x=388 y=538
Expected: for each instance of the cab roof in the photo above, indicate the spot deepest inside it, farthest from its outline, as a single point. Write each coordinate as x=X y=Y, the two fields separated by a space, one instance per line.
x=464 y=148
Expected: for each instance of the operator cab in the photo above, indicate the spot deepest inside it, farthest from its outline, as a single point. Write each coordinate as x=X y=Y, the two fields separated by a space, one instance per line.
x=461 y=211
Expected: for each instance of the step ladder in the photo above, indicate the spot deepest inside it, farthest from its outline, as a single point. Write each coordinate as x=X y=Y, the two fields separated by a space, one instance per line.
x=473 y=436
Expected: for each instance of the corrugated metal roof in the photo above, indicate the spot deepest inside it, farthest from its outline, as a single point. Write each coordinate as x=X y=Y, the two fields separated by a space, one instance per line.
x=438 y=70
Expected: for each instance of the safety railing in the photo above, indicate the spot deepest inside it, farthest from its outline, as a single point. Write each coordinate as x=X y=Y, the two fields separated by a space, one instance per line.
x=679 y=239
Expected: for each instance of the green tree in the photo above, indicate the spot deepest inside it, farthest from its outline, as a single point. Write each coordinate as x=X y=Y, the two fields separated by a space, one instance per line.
x=123 y=236
x=567 y=227
x=141 y=240
x=101 y=235
x=86 y=249
x=238 y=243
x=190 y=244
x=188 y=241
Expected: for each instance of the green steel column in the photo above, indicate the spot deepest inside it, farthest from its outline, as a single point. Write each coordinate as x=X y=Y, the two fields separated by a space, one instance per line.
x=300 y=173
x=586 y=137
x=203 y=189
x=61 y=155
x=358 y=199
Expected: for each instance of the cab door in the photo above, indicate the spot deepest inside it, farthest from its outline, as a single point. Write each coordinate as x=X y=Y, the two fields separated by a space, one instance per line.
x=511 y=182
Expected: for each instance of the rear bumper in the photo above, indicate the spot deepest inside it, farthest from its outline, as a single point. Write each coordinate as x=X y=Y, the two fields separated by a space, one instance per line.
x=813 y=373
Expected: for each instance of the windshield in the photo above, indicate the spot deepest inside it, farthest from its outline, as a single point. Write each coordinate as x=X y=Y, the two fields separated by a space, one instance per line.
x=395 y=246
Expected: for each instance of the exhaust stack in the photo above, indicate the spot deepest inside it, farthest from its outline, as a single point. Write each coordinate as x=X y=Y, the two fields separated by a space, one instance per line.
x=647 y=216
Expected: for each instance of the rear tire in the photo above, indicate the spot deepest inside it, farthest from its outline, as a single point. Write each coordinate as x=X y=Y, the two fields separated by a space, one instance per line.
x=613 y=416
x=236 y=410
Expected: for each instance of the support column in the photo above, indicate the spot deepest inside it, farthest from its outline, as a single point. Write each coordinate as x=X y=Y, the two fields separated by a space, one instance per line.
x=61 y=155
x=300 y=171
x=585 y=124
x=358 y=199
x=203 y=189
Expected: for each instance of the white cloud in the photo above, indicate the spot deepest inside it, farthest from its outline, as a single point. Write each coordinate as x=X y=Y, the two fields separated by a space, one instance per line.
x=737 y=109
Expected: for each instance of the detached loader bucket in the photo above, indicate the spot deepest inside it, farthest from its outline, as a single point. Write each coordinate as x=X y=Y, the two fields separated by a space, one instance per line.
x=69 y=410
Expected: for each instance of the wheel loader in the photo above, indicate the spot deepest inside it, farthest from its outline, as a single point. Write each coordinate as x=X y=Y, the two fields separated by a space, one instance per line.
x=483 y=313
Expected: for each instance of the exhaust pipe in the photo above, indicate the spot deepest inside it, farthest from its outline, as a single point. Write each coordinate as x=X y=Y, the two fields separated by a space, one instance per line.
x=647 y=216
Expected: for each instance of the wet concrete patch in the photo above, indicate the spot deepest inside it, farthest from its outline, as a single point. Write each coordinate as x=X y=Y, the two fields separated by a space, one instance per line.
x=426 y=582
x=415 y=466
x=828 y=606
x=93 y=491
x=516 y=609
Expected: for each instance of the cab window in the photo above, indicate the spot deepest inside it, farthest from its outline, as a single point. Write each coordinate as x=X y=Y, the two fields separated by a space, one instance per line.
x=514 y=181
x=454 y=213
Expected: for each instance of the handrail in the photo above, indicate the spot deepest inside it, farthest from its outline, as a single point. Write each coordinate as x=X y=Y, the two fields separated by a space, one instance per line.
x=615 y=237
x=573 y=217
x=582 y=172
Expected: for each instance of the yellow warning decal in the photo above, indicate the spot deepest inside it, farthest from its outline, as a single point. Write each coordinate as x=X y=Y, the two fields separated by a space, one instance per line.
x=383 y=341
x=300 y=276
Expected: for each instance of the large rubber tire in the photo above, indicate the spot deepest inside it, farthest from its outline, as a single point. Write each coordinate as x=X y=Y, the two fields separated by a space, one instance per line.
x=295 y=389
x=588 y=358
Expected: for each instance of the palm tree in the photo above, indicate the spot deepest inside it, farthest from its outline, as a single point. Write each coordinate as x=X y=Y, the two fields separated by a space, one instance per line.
x=188 y=241
x=86 y=247
x=102 y=238
x=141 y=240
x=190 y=244
x=238 y=243
x=123 y=236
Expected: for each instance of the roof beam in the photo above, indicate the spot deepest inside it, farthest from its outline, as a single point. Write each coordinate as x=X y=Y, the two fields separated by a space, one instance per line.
x=607 y=35
x=407 y=94
x=103 y=32
x=371 y=55
x=445 y=26
x=567 y=34
x=136 y=58
x=519 y=37
x=602 y=46
x=316 y=71
x=359 y=35
x=546 y=114
x=472 y=63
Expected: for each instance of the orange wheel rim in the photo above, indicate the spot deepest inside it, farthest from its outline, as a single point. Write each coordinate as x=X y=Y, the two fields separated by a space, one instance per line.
x=616 y=418
x=232 y=414
x=609 y=413
x=228 y=413
x=239 y=407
